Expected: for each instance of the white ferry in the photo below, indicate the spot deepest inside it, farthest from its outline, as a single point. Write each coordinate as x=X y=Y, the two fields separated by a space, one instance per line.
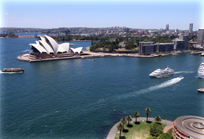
x=201 y=71
x=162 y=72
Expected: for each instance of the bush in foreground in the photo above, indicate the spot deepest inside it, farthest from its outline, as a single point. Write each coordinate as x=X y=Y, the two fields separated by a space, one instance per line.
x=165 y=136
x=156 y=129
x=151 y=138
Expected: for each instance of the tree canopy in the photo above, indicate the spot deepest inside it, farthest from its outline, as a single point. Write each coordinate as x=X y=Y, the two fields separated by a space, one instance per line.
x=157 y=119
x=156 y=129
x=165 y=136
x=136 y=114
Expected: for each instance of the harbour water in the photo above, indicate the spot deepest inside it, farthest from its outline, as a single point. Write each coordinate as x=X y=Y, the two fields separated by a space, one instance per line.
x=75 y=98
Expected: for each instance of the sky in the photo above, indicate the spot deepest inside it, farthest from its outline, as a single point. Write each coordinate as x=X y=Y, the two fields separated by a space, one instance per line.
x=141 y=14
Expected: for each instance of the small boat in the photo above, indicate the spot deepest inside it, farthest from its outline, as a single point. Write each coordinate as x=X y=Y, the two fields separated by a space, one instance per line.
x=196 y=53
x=181 y=77
x=71 y=44
x=94 y=59
x=201 y=90
x=202 y=54
x=12 y=70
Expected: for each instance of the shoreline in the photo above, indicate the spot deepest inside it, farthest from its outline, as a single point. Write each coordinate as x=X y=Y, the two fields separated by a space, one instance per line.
x=89 y=54
x=114 y=129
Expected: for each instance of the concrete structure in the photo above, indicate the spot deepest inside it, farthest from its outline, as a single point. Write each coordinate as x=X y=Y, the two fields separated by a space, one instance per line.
x=164 y=47
x=146 y=48
x=181 y=43
x=191 y=28
x=167 y=27
x=188 y=127
x=200 y=38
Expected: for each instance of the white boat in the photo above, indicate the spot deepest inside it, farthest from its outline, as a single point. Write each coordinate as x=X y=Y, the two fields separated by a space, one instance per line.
x=201 y=71
x=162 y=72
x=181 y=77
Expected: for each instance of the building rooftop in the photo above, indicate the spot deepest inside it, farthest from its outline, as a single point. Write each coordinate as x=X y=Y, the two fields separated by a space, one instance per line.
x=191 y=125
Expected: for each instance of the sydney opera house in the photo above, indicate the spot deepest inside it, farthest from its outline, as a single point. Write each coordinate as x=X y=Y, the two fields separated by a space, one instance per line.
x=46 y=48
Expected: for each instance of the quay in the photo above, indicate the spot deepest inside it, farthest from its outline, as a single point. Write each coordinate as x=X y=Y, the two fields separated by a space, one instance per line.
x=88 y=54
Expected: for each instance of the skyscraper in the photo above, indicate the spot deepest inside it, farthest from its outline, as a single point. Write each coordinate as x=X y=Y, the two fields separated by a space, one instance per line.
x=191 y=28
x=200 y=38
x=167 y=27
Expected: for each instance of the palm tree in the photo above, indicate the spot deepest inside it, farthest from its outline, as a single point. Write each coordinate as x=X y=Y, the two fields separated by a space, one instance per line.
x=129 y=118
x=123 y=121
x=136 y=114
x=120 y=127
x=147 y=111
x=157 y=119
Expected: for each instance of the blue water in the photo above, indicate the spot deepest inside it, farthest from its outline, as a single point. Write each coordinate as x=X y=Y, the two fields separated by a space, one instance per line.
x=75 y=98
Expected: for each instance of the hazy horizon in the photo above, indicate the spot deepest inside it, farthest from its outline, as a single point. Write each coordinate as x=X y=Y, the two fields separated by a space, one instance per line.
x=148 y=14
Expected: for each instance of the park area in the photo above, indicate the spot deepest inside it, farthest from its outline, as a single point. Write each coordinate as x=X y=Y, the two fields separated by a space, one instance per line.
x=139 y=130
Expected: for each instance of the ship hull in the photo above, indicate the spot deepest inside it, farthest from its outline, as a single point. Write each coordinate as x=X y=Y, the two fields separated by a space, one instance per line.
x=200 y=75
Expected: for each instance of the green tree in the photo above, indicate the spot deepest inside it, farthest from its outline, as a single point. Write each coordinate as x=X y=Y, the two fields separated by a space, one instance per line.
x=136 y=114
x=165 y=136
x=123 y=121
x=120 y=128
x=129 y=45
x=129 y=118
x=156 y=129
x=157 y=119
x=147 y=111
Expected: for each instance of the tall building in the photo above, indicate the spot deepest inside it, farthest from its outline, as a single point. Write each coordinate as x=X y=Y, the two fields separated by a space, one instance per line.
x=191 y=28
x=167 y=27
x=200 y=37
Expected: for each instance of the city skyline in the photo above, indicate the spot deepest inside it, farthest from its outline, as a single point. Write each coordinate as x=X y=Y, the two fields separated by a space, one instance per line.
x=139 y=14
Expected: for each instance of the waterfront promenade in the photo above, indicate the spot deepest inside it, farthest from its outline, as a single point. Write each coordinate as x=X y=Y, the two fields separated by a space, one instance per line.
x=113 y=131
x=89 y=54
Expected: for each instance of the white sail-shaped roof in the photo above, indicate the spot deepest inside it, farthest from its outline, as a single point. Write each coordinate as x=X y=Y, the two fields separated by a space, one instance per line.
x=38 y=47
x=46 y=46
x=61 y=49
x=77 y=50
x=65 y=46
x=49 y=45
x=53 y=43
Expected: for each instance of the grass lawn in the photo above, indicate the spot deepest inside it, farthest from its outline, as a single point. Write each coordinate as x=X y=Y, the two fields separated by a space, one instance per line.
x=141 y=130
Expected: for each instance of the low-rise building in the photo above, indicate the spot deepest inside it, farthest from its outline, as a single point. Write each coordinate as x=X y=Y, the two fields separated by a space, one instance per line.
x=188 y=127
x=146 y=48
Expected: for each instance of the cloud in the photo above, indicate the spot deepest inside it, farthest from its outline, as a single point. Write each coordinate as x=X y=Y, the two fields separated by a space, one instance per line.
x=6 y=13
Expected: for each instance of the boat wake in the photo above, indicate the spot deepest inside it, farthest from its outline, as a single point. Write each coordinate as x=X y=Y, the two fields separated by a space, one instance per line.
x=152 y=88
x=104 y=102
x=178 y=72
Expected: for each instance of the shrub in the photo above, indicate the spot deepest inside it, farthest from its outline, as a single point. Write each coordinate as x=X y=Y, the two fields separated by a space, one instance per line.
x=156 y=129
x=170 y=131
x=165 y=136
